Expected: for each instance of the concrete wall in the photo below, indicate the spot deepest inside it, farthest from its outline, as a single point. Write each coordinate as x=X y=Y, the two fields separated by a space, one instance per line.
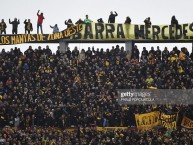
x=128 y=47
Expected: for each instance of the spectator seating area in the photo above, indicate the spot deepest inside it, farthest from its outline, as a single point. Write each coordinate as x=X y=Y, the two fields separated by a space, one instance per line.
x=42 y=89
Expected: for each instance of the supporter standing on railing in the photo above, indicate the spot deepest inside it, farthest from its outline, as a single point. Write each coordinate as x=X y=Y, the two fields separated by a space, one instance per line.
x=55 y=28
x=80 y=21
x=69 y=23
x=174 y=21
x=15 y=24
x=147 y=21
x=87 y=20
x=100 y=20
x=112 y=17
x=28 y=26
x=128 y=20
x=3 y=27
x=40 y=21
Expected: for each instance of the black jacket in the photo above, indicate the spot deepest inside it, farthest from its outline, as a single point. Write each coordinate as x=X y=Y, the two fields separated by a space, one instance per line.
x=69 y=24
x=147 y=22
x=128 y=21
x=14 y=23
x=112 y=18
x=174 y=21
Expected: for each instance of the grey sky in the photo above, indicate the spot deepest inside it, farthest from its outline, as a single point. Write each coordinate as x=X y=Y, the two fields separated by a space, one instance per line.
x=56 y=12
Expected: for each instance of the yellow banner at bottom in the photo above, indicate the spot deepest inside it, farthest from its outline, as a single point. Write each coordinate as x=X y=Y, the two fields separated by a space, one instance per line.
x=187 y=123
x=148 y=120
x=169 y=121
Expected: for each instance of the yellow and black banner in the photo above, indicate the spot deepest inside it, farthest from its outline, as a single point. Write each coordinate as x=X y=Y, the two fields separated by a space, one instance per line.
x=35 y=38
x=107 y=31
x=115 y=31
x=169 y=121
x=148 y=120
x=187 y=123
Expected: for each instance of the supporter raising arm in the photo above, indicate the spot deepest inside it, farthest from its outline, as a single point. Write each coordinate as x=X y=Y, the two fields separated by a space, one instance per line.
x=40 y=21
x=28 y=26
x=55 y=28
x=69 y=23
x=112 y=17
x=100 y=20
x=15 y=24
x=147 y=21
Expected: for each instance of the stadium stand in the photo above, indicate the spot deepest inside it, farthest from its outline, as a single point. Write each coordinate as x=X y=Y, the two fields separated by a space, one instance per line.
x=43 y=94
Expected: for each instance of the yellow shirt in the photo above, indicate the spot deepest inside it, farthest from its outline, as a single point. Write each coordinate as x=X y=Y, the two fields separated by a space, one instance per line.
x=52 y=143
x=99 y=75
x=172 y=59
x=180 y=70
x=20 y=62
x=49 y=71
x=108 y=83
x=149 y=81
x=77 y=79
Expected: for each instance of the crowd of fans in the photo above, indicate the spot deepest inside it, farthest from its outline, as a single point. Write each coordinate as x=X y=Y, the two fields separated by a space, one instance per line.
x=39 y=88
x=89 y=136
